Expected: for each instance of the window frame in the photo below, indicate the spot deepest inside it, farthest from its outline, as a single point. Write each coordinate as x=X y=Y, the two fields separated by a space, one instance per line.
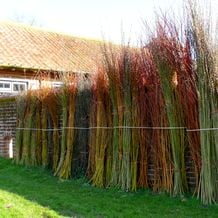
x=11 y=84
x=18 y=83
x=3 y=89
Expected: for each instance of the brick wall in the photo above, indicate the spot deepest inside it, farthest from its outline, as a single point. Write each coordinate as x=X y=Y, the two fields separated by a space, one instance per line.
x=7 y=126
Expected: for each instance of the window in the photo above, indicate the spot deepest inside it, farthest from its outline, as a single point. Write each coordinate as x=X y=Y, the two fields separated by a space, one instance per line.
x=5 y=86
x=57 y=84
x=19 y=87
x=12 y=86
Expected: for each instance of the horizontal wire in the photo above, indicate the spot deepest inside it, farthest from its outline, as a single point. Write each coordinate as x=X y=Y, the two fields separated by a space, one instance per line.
x=120 y=127
x=104 y=127
x=205 y=129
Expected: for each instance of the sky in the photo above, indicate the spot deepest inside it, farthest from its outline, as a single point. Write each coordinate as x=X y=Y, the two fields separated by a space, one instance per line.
x=95 y=19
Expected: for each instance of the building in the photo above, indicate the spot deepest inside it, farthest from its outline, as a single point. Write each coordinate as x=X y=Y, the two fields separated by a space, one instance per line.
x=28 y=54
x=30 y=57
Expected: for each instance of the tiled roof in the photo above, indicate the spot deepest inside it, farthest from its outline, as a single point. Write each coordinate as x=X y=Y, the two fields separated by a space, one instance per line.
x=27 y=47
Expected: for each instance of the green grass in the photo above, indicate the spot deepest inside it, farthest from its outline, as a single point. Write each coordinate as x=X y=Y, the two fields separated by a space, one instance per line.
x=34 y=192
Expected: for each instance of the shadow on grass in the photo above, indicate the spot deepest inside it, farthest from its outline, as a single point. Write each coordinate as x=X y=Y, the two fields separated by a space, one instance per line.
x=76 y=198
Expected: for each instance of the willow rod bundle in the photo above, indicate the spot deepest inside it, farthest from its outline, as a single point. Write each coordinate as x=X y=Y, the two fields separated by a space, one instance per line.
x=206 y=78
x=102 y=109
x=121 y=70
x=39 y=134
x=115 y=91
x=158 y=149
x=189 y=102
x=43 y=95
x=27 y=135
x=65 y=172
x=64 y=97
x=167 y=58
x=64 y=168
x=52 y=105
x=83 y=102
x=33 y=141
x=44 y=135
x=143 y=116
x=92 y=138
x=125 y=68
x=136 y=90
x=21 y=107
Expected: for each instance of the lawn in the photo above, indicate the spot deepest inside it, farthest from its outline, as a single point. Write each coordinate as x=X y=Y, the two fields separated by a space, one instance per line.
x=34 y=192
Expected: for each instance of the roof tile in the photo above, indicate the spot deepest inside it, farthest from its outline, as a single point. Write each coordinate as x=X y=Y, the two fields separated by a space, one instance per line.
x=32 y=48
